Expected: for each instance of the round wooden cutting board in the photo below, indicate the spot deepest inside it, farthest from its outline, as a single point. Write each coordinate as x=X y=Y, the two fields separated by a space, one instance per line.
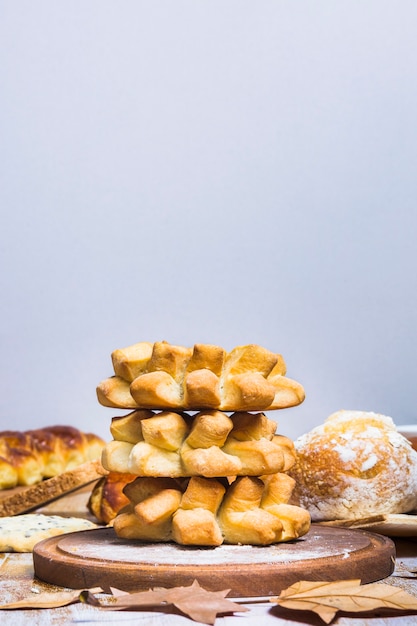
x=99 y=558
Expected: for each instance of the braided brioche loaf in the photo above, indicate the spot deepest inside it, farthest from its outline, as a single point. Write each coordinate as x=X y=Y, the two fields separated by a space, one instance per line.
x=28 y=457
x=161 y=376
x=209 y=511
x=210 y=444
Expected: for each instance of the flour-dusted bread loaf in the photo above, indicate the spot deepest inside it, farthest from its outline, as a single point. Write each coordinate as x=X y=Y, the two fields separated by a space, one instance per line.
x=355 y=465
x=209 y=511
x=209 y=444
x=28 y=457
x=166 y=376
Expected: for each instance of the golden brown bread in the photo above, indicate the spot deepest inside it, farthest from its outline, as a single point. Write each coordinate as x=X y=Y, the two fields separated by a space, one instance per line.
x=163 y=376
x=28 y=457
x=355 y=465
x=132 y=361
x=209 y=511
x=204 y=478
x=25 y=467
x=210 y=444
x=27 y=498
x=107 y=497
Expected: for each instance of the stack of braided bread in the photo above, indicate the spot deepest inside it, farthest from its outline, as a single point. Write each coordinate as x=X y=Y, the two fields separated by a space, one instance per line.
x=199 y=461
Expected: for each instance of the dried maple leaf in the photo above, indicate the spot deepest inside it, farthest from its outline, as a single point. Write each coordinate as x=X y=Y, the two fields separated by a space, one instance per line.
x=195 y=601
x=326 y=598
x=49 y=600
x=202 y=605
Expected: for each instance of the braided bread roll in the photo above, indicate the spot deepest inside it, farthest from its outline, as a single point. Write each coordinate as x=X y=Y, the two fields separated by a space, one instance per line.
x=165 y=376
x=210 y=444
x=209 y=511
x=107 y=497
x=28 y=457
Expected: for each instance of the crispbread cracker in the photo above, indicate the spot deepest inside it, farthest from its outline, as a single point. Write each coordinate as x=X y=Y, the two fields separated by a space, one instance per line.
x=20 y=533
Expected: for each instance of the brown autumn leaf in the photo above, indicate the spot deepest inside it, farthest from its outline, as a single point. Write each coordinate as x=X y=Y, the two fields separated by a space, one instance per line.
x=326 y=598
x=202 y=605
x=195 y=601
x=49 y=599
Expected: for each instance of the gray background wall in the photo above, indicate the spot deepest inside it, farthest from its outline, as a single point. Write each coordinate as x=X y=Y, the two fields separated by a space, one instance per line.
x=226 y=172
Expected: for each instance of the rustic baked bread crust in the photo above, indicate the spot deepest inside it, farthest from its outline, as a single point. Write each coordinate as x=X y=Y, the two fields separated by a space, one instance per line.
x=355 y=465
x=23 y=499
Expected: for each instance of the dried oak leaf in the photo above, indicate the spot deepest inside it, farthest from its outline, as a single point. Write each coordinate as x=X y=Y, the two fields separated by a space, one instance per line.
x=50 y=599
x=195 y=601
x=326 y=598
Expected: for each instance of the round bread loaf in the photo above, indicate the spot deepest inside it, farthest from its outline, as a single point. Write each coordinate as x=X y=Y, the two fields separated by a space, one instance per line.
x=354 y=466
